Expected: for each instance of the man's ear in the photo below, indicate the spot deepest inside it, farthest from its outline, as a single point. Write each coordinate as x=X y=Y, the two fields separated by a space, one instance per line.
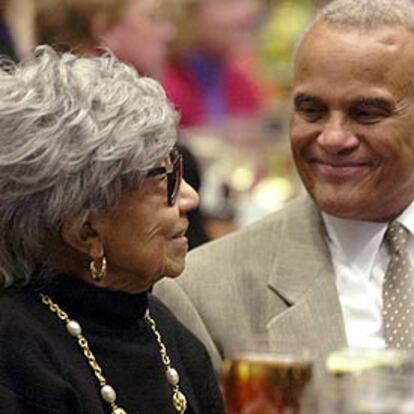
x=81 y=234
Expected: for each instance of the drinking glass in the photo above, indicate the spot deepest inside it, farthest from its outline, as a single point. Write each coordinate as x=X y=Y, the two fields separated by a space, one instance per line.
x=259 y=380
x=364 y=381
x=367 y=393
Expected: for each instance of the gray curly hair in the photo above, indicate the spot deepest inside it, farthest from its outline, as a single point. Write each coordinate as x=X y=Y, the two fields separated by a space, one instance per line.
x=369 y=14
x=74 y=132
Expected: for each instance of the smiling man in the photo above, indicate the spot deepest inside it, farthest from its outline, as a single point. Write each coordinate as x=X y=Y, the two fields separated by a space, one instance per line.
x=334 y=268
x=353 y=120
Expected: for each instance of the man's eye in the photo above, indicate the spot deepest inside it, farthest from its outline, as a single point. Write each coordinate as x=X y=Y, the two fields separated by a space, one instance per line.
x=368 y=116
x=310 y=113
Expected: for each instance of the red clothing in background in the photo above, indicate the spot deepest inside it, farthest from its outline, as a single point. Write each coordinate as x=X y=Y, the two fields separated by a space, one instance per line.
x=185 y=90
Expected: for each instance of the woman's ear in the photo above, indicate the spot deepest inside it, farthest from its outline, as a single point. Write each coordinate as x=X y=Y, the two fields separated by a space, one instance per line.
x=81 y=234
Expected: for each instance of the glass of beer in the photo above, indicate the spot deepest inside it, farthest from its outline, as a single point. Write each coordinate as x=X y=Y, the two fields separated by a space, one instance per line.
x=265 y=382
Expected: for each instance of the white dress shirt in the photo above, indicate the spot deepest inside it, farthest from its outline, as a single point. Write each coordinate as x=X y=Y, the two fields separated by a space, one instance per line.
x=360 y=261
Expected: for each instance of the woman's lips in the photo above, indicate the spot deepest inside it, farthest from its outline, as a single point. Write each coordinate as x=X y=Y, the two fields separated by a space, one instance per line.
x=180 y=233
x=180 y=238
x=182 y=242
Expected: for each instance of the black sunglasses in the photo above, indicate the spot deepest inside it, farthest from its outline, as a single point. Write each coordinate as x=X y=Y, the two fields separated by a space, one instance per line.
x=174 y=173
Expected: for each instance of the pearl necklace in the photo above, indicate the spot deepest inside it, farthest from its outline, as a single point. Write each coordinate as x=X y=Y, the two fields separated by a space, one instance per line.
x=108 y=394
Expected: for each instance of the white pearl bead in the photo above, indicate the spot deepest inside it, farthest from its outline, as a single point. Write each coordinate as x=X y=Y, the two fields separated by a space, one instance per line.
x=172 y=376
x=73 y=328
x=119 y=411
x=108 y=394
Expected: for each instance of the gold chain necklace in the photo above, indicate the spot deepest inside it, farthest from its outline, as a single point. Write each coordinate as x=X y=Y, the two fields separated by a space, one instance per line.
x=108 y=394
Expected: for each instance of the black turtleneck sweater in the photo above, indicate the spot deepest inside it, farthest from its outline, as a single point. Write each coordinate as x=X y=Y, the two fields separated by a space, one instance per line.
x=42 y=369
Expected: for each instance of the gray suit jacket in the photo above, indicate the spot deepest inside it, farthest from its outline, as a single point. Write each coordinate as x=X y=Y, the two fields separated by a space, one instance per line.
x=274 y=278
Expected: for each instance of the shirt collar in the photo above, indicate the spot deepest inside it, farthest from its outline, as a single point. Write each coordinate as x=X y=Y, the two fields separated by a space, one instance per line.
x=358 y=242
x=407 y=218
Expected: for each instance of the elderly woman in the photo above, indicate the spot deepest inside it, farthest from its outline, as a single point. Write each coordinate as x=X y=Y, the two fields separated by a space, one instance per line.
x=93 y=212
x=136 y=31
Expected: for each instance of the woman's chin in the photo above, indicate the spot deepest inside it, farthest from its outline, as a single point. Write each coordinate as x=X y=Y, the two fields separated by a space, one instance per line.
x=176 y=269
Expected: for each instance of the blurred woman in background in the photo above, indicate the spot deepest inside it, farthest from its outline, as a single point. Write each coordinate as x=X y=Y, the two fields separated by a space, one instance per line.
x=136 y=31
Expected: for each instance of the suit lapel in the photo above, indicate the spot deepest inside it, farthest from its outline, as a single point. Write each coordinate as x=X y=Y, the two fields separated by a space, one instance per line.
x=303 y=277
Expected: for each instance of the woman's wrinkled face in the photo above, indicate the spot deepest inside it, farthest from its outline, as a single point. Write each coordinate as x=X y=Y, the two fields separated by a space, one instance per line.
x=142 y=37
x=143 y=238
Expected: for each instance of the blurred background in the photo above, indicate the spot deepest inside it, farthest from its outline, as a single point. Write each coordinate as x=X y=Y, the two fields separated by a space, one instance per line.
x=226 y=66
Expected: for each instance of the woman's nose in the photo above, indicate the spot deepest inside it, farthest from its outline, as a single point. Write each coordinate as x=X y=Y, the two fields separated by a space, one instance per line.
x=188 y=198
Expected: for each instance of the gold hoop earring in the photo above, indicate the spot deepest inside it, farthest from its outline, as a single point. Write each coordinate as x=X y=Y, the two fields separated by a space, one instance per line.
x=99 y=273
